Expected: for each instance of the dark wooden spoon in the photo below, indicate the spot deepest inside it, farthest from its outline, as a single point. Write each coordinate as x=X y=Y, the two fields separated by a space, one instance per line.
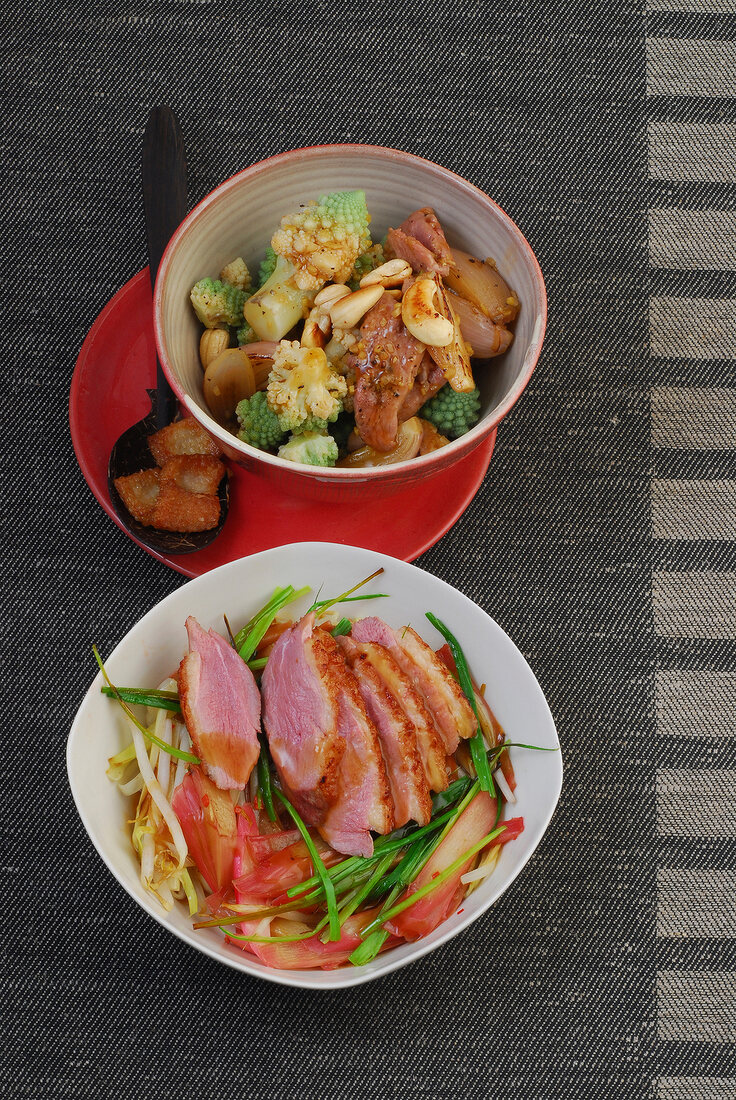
x=164 y=173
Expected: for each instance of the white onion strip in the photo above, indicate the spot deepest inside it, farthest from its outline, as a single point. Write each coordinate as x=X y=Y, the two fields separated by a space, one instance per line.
x=158 y=796
x=486 y=867
x=506 y=791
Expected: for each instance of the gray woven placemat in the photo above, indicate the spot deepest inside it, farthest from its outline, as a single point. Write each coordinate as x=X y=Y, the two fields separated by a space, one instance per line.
x=602 y=540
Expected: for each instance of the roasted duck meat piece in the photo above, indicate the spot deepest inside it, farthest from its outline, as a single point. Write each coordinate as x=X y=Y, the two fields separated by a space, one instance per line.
x=325 y=747
x=407 y=780
x=221 y=706
x=421 y=241
x=387 y=359
x=442 y=694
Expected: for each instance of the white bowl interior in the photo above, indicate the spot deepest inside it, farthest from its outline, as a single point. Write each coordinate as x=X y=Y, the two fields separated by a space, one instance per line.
x=240 y=217
x=154 y=647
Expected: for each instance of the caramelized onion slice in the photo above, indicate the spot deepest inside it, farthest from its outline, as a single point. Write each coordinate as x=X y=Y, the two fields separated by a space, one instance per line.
x=261 y=353
x=453 y=360
x=432 y=440
x=228 y=379
x=485 y=337
x=479 y=282
x=410 y=438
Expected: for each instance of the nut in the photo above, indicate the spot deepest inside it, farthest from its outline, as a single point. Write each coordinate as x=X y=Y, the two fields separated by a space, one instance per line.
x=313 y=333
x=331 y=293
x=346 y=312
x=212 y=342
x=392 y=273
x=421 y=317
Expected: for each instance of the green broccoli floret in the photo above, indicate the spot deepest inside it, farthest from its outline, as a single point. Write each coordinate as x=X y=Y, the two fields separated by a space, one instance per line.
x=311 y=449
x=267 y=268
x=452 y=413
x=244 y=334
x=217 y=303
x=323 y=239
x=259 y=426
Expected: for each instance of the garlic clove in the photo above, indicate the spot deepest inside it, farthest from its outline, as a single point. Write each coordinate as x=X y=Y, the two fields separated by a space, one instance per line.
x=228 y=379
x=479 y=282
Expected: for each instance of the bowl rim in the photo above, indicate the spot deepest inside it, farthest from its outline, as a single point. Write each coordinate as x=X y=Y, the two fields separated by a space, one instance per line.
x=343 y=977
x=442 y=456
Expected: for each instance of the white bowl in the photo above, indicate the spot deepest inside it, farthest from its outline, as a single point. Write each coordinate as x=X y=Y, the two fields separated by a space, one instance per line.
x=155 y=645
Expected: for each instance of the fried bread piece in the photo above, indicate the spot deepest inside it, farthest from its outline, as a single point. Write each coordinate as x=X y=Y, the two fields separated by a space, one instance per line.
x=194 y=473
x=183 y=437
x=177 y=510
x=139 y=493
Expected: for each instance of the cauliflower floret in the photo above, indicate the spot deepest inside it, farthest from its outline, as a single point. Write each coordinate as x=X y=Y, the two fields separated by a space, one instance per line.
x=310 y=448
x=324 y=239
x=237 y=274
x=303 y=390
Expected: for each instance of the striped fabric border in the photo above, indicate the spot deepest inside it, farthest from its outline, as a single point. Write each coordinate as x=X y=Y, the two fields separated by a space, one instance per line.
x=696 y=904
x=693 y=418
x=682 y=151
x=700 y=7
x=695 y=1088
x=692 y=67
x=680 y=240
x=697 y=604
x=696 y=1006
x=692 y=328
x=695 y=703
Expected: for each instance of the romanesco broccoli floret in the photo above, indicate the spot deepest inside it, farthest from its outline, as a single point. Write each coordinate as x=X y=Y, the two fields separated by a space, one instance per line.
x=259 y=425
x=268 y=266
x=218 y=304
x=236 y=273
x=367 y=261
x=452 y=413
x=310 y=448
x=323 y=239
x=303 y=390
x=244 y=334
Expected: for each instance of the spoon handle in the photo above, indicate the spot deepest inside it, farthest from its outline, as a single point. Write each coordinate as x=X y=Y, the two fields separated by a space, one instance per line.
x=164 y=173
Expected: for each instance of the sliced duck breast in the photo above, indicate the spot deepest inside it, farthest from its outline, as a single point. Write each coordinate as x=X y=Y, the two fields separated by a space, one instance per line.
x=407 y=780
x=429 y=742
x=221 y=706
x=325 y=748
x=444 y=697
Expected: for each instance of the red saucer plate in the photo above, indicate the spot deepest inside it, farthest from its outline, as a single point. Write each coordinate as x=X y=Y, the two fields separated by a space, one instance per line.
x=117 y=364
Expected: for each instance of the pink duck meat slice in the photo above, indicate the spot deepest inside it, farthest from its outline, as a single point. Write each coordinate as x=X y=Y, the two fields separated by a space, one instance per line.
x=406 y=777
x=221 y=706
x=380 y=654
x=444 y=697
x=324 y=746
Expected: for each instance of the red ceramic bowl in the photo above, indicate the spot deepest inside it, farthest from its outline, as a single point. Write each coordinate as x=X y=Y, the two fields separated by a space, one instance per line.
x=238 y=218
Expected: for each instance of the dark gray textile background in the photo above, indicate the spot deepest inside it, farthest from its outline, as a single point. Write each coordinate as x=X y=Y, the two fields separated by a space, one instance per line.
x=554 y=993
